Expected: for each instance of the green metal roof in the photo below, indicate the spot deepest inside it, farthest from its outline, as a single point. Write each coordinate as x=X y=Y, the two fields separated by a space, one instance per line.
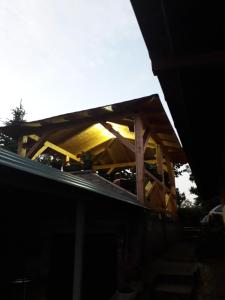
x=14 y=161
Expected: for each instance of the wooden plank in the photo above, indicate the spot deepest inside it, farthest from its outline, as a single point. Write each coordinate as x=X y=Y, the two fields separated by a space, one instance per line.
x=123 y=140
x=21 y=150
x=139 y=155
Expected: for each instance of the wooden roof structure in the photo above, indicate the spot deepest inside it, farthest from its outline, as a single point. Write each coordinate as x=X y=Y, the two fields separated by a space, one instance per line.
x=122 y=135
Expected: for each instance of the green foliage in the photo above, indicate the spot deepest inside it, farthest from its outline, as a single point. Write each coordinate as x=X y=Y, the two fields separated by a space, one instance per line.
x=16 y=119
x=18 y=114
x=178 y=169
x=180 y=197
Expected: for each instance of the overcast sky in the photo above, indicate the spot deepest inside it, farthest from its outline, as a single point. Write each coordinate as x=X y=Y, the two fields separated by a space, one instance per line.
x=60 y=56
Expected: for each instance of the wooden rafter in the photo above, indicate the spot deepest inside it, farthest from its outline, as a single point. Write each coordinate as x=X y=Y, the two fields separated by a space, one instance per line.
x=37 y=145
x=61 y=151
x=39 y=152
x=52 y=146
x=123 y=140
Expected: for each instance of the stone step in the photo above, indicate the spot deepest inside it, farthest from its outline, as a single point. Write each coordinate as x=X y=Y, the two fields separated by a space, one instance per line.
x=174 y=288
x=175 y=268
x=173 y=291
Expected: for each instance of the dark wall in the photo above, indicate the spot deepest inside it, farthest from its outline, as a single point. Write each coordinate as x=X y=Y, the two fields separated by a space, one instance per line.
x=37 y=227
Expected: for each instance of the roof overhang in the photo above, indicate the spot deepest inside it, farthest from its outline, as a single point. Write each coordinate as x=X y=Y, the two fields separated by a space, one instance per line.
x=186 y=46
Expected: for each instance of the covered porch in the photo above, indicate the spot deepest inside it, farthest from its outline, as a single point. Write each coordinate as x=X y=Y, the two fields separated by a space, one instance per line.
x=133 y=135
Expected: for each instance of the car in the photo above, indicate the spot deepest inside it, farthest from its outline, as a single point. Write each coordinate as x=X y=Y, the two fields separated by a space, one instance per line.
x=214 y=217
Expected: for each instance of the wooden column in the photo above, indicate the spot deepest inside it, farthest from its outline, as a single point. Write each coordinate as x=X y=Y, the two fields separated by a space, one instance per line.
x=21 y=150
x=171 y=174
x=159 y=164
x=79 y=241
x=159 y=161
x=139 y=155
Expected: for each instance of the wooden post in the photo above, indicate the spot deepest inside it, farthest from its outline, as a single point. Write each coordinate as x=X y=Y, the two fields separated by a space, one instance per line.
x=159 y=163
x=139 y=155
x=171 y=174
x=21 y=150
x=159 y=160
x=79 y=241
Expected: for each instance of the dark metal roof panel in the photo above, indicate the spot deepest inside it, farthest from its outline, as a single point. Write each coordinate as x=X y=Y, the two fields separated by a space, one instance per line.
x=14 y=161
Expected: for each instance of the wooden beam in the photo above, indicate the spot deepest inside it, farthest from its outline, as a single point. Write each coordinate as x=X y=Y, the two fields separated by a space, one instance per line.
x=109 y=151
x=156 y=179
x=200 y=59
x=139 y=155
x=37 y=145
x=61 y=151
x=120 y=165
x=39 y=152
x=34 y=137
x=160 y=170
x=21 y=150
x=161 y=189
x=146 y=137
x=159 y=160
x=159 y=141
x=110 y=170
x=172 y=202
x=171 y=175
x=58 y=149
x=170 y=144
x=123 y=140
x=148 y=193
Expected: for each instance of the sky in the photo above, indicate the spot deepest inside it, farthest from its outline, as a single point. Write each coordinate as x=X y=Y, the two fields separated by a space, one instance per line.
x=64 y=56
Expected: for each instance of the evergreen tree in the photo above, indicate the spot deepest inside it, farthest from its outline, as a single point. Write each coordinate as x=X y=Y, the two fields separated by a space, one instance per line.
x=17 y=117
